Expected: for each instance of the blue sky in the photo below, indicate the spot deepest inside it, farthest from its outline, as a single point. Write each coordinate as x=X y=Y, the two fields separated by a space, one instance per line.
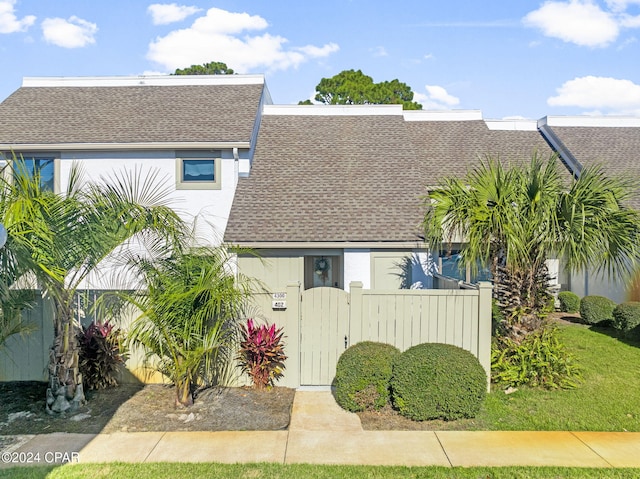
x=507 y=58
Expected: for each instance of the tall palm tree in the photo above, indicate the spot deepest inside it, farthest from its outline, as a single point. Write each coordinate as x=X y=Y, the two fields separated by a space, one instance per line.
x=63 y=238
x=512 y=219
x=190 y=307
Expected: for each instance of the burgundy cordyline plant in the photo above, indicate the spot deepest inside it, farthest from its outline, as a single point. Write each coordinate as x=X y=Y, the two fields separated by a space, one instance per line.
x=262 y=353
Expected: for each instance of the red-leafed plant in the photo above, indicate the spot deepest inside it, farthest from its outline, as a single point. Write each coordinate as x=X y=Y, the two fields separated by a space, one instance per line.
x=101 y=355
x=261 y=353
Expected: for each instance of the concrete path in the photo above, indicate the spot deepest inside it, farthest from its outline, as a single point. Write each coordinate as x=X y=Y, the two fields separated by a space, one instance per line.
x=322 y=433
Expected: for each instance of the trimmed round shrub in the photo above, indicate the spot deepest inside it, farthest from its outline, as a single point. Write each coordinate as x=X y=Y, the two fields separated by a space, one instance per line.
x=362 y=376
x=626 y=317
x=437 y=381
x=596 y=309
x=569 y=302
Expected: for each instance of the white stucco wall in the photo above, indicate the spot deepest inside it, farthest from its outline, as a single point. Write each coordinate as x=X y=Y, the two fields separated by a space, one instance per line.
x=209 y=209
x=357 y=267
x=591 y=284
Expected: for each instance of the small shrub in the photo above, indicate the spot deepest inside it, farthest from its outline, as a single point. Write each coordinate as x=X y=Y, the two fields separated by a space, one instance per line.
x=101 y=355
x=437 y=381
x=569 y=302
x=596 y=309
x=539 y=360
x=363 y=373
x=261 y=353
x=497 y=314
x=626 y=317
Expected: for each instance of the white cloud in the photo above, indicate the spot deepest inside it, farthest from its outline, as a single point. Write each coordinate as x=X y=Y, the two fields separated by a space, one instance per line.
x=621 y=5
x=9 y=22
x=165 y=13
x=436 y=98
x=379 y=52
x=601 y=93
x=224 y=36
x=630 y=21
x=578 y=21
x=72 y=33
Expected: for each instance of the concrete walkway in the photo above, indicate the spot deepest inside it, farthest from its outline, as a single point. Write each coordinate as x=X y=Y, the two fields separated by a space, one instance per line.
x=322 y=433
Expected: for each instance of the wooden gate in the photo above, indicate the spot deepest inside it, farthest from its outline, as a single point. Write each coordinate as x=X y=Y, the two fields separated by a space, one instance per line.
x=324 y=325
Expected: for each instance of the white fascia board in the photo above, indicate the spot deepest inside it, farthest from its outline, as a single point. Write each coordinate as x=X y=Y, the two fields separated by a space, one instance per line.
x=143 y=80
x=591 y=121
x=201 y=145
x=512 y=125
x=442 y=115
x=332 y=110
x=331 y=245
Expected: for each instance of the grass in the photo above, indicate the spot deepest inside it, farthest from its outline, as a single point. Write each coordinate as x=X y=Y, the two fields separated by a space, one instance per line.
x=279 y=471
x=608 y=400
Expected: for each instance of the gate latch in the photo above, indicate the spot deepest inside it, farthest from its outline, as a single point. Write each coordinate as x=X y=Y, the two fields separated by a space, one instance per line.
x=346 y=341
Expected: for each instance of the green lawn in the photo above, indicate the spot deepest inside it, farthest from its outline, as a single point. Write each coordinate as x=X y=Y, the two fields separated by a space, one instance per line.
x=608 y=400
x=278 y=471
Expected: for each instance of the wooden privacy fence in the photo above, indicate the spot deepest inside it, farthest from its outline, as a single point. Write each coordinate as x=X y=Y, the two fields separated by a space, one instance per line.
x=320 y=323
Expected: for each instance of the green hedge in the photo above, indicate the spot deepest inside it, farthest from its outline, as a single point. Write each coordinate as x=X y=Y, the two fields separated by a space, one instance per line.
x=626 y=318
x=437 y=381
x=596 y=309
x=362 y=376
x=569 y=302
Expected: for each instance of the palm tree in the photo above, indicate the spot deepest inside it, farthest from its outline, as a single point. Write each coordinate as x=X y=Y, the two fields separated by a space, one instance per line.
x=63 y=238
x=190 y=307
x=513 y=218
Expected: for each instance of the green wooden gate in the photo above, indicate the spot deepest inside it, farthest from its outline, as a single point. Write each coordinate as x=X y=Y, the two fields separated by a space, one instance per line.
x=324 y=325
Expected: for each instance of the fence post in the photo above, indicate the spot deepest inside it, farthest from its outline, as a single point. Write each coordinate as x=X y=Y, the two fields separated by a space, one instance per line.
x=355 y=312
x=484 y=328
x=292 y=331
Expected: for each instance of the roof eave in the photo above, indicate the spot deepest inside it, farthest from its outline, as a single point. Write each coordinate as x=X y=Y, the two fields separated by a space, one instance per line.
x=125 y=146
x=329 y=244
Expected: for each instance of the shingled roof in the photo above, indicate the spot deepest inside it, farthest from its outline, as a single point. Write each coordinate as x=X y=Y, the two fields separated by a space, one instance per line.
x=131 y=110
x=338 y=175
x=612 y=143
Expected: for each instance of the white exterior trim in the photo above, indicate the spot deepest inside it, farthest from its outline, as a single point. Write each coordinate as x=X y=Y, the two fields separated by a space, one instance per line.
x=331 y=245
x=141 y=80
x=512 y=125
x=332 y=110
x=442 y=115
x=590 y=121
x=126 y=146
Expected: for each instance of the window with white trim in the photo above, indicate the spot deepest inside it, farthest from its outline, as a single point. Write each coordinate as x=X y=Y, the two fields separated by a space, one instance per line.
x=198 y=170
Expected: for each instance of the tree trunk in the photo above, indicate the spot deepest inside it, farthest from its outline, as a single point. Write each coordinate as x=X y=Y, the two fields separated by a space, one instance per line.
x=522 y=294
x=65 y=392
x=184 y=395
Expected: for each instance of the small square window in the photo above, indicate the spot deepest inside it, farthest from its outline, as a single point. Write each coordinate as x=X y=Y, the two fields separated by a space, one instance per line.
x=198 y=170
x=31 y=166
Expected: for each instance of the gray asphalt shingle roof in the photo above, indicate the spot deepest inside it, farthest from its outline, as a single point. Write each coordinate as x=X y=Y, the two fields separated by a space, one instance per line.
x=356 y=178
x=130 y=114
x=615 y=149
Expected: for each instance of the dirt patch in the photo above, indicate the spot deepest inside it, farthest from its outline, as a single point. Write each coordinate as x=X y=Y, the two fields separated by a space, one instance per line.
x=144 y=408
x=388 y=419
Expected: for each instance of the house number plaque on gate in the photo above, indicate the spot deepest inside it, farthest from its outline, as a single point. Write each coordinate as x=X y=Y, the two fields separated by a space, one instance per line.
x=279 y=301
